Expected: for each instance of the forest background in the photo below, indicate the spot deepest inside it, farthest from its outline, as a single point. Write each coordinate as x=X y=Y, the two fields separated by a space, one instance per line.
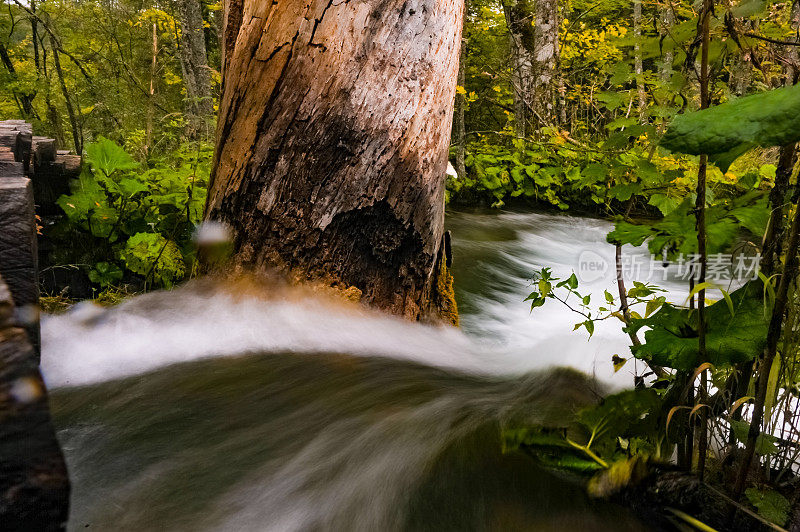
x=561 y=104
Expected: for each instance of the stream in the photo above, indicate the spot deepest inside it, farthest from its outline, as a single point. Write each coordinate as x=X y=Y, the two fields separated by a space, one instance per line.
x=246 y=406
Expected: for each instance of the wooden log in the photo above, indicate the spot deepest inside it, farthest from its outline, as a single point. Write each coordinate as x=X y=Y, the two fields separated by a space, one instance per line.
x=11 y=170
x=6 y=154
x=17 y=135
x=50 y=182
x=72 y=164
x=18 y=253
x=34 y=487
x=44 y=150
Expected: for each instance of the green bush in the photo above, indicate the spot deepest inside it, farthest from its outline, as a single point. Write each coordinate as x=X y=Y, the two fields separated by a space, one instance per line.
x=126 y=222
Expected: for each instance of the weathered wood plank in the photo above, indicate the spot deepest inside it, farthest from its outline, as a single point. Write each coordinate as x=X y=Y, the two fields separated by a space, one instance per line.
x=44 y=150
x=11 y=169
x=71 y=162
x=18 y=252
x=17 y=135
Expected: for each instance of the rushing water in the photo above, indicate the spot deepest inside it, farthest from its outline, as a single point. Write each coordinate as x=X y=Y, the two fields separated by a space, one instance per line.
x=236 y=406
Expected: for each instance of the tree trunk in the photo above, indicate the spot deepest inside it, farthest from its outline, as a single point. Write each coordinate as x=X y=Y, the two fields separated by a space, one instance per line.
x=77 y=133
x=638 y=68
x=332 y=144
x=25 y=100
x=667 y=16
x=151 y=101
x=519 y=17
x=460 y=109
x=791 y=52
x=545 y=61
x=194 y=66
x=741 y=76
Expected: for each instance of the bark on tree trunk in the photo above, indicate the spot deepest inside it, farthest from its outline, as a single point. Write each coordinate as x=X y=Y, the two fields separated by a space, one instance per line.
x=77 y=133
x=638 y=68
x=791 y=52
x=667 y=16
x=741 y=76
x=519 y=18
x=545 y=61
x=194 y=66
x=332 y=143
x=460 y=108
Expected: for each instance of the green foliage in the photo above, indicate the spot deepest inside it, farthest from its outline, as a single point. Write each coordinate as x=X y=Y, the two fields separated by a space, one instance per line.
x=105 y=274
x=765 y=443
x=565 y=291
x=153 y=256
x=770 y=504
x=723 y=133
x=675 y=233
x=671 y=338
x=107 y=65
x=622 y=426
x=122 y=218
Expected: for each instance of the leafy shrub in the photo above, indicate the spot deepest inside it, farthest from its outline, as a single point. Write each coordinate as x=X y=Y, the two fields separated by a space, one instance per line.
x=128 y=223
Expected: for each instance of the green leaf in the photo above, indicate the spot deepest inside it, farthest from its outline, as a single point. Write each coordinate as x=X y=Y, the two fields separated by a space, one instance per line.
x=765 y=443
x=770 y=504
x=572 y=281
x=726 y=131
x=753 y=217
x=107 y=156
x=105 y=274
x=671 y=340
x=150 y=254
x=130 y=187
x=623 y=414
x=628 y=233
x=748 y=8
x=664 y=203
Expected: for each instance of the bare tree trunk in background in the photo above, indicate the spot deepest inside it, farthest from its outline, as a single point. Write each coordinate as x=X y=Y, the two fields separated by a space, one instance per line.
x=519 y=19
x=77 y=134
x=461 y=103
x=152 y=100
x=545 y=62
x=667 y=16
x=53 y=116
x=25 y=101
x=194 y=66
x=637 y=53
x=561 y=84
x=332 y=144
x=741 y=76
x=792 y=53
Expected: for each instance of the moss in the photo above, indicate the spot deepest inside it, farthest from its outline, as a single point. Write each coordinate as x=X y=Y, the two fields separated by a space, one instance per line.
x=444 y=298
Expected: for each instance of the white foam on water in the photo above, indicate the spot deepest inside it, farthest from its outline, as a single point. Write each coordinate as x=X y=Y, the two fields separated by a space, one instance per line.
x=499 y=334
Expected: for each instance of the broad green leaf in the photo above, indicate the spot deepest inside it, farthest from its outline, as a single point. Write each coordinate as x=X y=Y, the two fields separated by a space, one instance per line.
x=628 y=233
x=665 y=204
x=770 y=504
x=107 y=156
x=671 y=340
x=726 y=131
x=748 y=8
x=765 y=443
